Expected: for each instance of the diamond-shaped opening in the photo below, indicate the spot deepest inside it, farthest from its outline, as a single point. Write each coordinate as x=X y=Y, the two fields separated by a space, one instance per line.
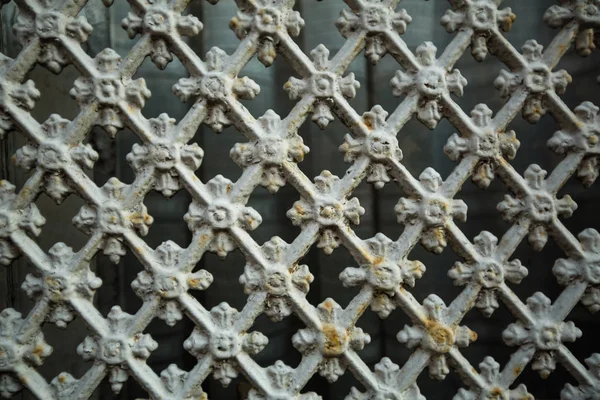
x=64 y=355
x=273 y=209
x=125 y=140
x=337 y=390
x=529 y=19
x=539 y=265
x=366 y=195
x=127 y=270
x=160 y=83
x=584 y=71
x=271 y=81
x=326 y=271
x=359 y=67
x=378 y=83
x=482 y=214
x=226 y=286
x=58 y=226
x=216 y=148
x=168 y=217
x=430 y=388
x=324 y=151
x=480 y=87
x=238 y=388
x=101 y=18
x=585 y=199
x=583 y=319
x=489 y=336
x=319 y=25
x=11 y=279
x=280 y=340
x=383 y=337
x=533 y=138
x=425 y=25
x=54 y=90
x=10 y=44
x=435 y=279
x=549 y=388
x=422 y=148
x=216 y=32
x=384 y=216
x=106 y=147
x=170 y=345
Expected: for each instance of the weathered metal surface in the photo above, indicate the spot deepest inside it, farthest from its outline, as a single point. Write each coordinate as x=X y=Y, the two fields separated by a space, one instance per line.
x=51 y=33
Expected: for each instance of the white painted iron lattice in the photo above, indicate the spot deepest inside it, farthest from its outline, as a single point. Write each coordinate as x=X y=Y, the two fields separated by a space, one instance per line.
x=51 y=33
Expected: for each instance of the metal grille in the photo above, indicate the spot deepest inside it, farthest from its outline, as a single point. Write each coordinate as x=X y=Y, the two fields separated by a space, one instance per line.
x=115 y=218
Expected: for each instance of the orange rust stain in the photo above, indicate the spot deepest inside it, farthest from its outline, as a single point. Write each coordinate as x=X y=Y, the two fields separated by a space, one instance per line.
x=38 y=350
x=473 y=336
x=518 y=370
x=194 y=282
x=334 y=342
x=328 y=305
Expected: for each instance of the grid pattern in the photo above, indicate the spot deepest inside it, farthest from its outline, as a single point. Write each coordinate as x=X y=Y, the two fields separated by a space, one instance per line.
x=115 y=218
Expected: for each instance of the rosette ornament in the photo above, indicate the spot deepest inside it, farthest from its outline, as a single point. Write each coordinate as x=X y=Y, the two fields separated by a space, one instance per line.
x=216 y=88
x=493 y=387
x=586 y=13
x=60 y=283
x=387 y=272
x=483 y=17
x=117 y=347
x=156 y=18
x=278 y=280
x=164 y=155
x=109 y=92
x=269 y=19
x=536 y=78
x=26 y=218
x=378 y=144
x=436 y=335
x=585 y=137
x=112 y=219
x=537 y=204
x=332 y=340
x=430 y=82
x=271 y=150
x=376 y=18
x=489 y=145
x=221 y=215
x=387 y=375
x=323 y=85
x=224 y=342
x=545 y=333
x=432 y=209
x=52 y=156
x=583 y=268
x=51 y=27
x=489 y=271
x=169 y=282
x=326 y=210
